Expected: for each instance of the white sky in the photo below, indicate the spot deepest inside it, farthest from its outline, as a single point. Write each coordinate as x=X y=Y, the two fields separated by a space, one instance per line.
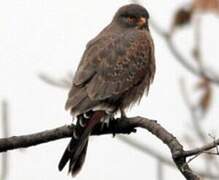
x=50 y=36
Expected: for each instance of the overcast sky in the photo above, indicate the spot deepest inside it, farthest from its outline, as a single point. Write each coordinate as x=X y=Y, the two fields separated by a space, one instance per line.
x=49 y=36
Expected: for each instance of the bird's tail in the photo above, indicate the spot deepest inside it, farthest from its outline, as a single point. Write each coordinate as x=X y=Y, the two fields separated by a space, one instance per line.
x=76 y=162
x=77 y=148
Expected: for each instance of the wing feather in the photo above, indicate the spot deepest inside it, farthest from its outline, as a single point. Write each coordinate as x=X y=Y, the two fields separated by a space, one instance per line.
x=110 y=66
x=124 y=64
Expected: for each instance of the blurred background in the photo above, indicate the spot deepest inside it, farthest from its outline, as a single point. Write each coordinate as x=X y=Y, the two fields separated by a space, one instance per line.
x=41 y=43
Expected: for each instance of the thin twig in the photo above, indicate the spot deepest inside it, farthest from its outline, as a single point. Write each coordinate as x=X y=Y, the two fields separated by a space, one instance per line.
x=194 y=157
x=160 y=156
x=190 y=107
x=201 y=149
x=196 y=123
x=146 y=150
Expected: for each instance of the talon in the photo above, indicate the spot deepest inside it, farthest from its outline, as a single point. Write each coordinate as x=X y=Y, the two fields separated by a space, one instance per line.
x=75 y=135
x=86 y=115
x=112 y=122
x=81 y=123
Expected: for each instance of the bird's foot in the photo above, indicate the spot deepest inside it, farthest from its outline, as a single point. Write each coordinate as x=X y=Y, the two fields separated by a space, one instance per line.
x=112 y=123
x=123 y=114
x=105 y=122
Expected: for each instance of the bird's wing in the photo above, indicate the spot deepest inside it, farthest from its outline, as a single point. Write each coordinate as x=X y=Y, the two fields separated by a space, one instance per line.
x=90 y=62
x=85 y=72
x=121 y=65
x=110 y=66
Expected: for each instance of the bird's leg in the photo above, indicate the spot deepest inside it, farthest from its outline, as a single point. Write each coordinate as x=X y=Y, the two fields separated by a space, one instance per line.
x=123 y=114
x=112 y=120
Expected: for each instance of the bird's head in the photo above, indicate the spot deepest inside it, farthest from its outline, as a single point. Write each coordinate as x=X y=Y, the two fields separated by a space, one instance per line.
x=132 y=16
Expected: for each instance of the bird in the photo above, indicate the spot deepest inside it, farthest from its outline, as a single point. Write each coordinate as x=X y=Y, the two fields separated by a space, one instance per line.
x=116 y=69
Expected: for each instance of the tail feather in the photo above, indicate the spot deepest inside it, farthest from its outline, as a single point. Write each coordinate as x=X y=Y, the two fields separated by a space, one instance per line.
x=64 y=160
x=77 y=148
x=76 y=165
x=67 y=154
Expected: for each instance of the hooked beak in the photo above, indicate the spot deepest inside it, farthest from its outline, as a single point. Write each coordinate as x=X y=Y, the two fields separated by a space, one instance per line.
x=141 y=22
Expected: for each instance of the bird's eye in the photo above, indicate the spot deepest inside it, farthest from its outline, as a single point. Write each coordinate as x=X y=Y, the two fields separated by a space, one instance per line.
x=131 y=19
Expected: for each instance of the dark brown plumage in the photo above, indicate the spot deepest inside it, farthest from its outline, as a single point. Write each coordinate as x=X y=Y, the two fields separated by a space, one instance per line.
x=116 y=69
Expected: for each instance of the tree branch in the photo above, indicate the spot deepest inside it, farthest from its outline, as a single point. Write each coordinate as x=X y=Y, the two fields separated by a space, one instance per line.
x=25 y=141
x=124 y=126
x=201 y=149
